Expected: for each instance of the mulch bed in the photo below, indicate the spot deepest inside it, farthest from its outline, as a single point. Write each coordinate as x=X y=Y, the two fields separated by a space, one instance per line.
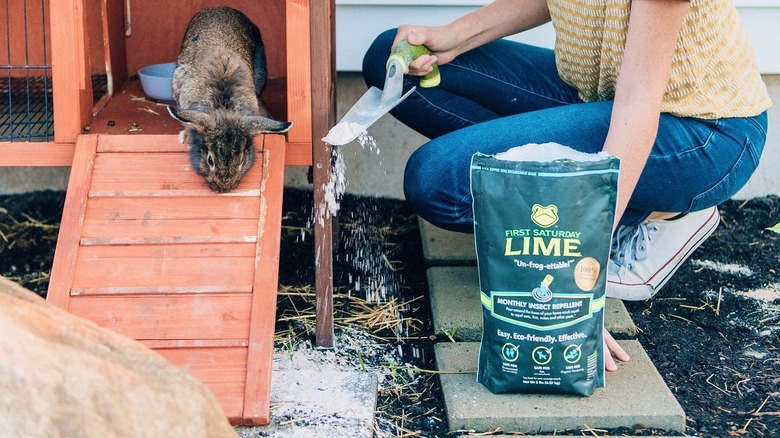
x=717 y=349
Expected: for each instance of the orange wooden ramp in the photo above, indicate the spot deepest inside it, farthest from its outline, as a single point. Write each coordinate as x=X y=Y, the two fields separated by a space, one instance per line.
x=148 y=250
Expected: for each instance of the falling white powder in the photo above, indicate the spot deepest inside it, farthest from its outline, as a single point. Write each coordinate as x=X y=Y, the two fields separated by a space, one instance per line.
x=365 y=247
x=367 y=142
x=334 y=189
x=726 y=268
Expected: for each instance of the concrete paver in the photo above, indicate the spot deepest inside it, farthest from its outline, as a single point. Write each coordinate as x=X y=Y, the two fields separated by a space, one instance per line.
x=455 y=305
x=446 y=248
x=635 y=394
x=319 y=403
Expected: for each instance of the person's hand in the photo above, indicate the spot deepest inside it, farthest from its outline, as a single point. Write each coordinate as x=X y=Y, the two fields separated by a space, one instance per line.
x=442 y=42
x=611 y=347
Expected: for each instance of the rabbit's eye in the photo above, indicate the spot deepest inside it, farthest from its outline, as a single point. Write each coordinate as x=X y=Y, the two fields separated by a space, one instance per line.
x=210 y=160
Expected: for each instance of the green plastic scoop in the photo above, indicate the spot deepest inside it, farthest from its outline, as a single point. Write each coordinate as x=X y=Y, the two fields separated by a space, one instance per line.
x=375 y=102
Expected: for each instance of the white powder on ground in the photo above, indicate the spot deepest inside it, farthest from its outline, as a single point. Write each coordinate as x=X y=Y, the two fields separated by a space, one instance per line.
x=305 y=399
x=548 y=152
x=769 y=293
x=726 y=268
x=765 y=320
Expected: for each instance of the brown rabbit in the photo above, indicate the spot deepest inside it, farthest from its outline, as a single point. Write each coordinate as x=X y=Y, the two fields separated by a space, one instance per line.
x=219 y=77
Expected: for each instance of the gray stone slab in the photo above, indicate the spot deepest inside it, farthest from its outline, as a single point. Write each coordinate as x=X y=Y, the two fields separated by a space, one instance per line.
x=635 y=394
x=446 y=248
x=318 y=403
x=617 y=319
x=455 y=305
x=15 y=180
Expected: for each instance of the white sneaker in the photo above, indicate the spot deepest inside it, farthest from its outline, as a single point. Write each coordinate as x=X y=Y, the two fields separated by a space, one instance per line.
x=644 y=257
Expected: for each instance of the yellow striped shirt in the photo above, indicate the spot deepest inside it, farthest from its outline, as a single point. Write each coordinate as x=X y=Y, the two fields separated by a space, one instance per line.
x=714 y=73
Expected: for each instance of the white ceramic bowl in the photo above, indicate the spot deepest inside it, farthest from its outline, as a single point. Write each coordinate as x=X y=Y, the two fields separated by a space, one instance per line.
x=156 y=80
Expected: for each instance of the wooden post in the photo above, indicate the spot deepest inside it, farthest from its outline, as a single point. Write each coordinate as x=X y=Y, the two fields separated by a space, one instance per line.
x=70 y=69
x=323 y=117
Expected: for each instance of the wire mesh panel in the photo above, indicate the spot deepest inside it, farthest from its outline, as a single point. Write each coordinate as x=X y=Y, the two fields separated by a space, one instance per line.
x=26 y=112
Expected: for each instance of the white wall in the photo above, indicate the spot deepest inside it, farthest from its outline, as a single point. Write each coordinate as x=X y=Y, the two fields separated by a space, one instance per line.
x=358 y=22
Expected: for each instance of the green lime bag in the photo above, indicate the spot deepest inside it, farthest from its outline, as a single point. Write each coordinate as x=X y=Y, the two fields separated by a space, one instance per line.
x=543 y=217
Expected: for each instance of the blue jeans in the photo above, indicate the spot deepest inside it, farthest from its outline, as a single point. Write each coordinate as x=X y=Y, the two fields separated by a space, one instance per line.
x=506 y=94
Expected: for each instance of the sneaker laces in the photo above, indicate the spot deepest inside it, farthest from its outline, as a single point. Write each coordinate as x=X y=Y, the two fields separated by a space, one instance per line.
x=631 y=244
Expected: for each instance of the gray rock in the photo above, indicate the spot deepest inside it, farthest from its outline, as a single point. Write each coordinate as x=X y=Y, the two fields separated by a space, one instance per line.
x=63 y=376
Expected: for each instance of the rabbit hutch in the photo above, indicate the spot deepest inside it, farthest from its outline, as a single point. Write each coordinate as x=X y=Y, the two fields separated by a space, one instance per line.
x=145 y=248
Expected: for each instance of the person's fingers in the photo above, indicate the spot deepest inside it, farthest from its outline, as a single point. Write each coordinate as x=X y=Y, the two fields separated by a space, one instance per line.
x=413 y=34
x=428 y=62
x=422 y=65
x=609 y=362
x=416 y=38
x=618 y=351
x=611 y=347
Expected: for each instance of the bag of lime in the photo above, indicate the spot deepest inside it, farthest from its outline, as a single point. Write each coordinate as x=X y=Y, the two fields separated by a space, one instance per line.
x=543 y=217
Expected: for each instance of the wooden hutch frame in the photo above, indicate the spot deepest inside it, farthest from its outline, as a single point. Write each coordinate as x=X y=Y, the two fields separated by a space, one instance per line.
x=307 y=96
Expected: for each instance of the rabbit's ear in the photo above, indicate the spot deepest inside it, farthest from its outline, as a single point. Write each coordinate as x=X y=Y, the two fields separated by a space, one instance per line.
x=258 y=124
x=198 y=120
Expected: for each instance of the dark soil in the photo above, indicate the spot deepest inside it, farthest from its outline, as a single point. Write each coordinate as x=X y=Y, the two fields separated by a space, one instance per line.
x=717 y=349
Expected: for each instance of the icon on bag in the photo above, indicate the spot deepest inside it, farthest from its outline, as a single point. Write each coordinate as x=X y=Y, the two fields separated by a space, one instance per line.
x=543 y=293
x=545 y=217
x=572 y=354
x=510 y=352
x=541 y=355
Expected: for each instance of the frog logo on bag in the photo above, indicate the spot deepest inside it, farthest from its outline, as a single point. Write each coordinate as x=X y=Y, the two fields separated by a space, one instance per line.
x=545 y=217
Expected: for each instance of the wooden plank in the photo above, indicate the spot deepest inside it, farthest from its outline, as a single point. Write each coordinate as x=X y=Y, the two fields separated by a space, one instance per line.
x=169 y=231
x=114 y=36
x=162 y=189
x=257 y=398
x=219 y=207
x=129 y=104
x=230 y=397
x=177 y=240
x=168 y=316
x=170 y=178
x=142 y=143
x=75 y=205
x=160 y=344
x=73 y=99
x=130 y=113
x=210 y=365
x=323 y=117
x=223 y=370
x=30 y=20
x=171 y=275
x=298 y=154
x=45 y=154
x=157 y=290
x=160 y=251
x=146 y=174
x=299 y=69
x=133 y=164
